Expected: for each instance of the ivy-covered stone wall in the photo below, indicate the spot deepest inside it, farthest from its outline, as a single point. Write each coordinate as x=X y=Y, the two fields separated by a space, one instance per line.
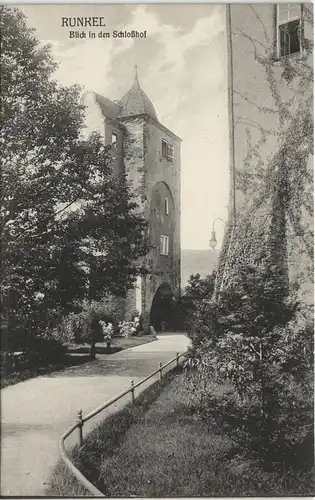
x=271 y=112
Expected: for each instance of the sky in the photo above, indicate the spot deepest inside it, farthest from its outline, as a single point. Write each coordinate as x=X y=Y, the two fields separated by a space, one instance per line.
x=181 y=67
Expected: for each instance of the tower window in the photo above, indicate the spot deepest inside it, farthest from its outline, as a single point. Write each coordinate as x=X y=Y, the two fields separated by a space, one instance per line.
x=166 y=207
x=167 y=150
x=164 y=245
x=114 y=140
x=288 y=29
x=164 y=148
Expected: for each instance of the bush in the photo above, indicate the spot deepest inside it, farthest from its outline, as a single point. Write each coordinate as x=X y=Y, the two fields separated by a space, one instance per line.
x=84 y=326
x=129 y=328
x=44 y=349
x=11 y=362
x=108 y=332
x=195 y=311
x=260 y=340
x=41 y=351
x=67 y=330
x=135 y=325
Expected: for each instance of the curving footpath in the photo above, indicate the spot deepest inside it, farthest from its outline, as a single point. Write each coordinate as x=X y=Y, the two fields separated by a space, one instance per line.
x=35 y=413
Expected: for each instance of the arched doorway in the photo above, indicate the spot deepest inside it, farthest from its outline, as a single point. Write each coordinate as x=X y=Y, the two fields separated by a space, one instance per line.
x=161 y=314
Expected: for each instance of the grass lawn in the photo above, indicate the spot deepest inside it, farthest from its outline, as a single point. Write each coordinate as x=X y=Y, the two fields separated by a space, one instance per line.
x=20 y=376
x=126 y=343
x=117 y=344
x=78 y=354
x=161 y=447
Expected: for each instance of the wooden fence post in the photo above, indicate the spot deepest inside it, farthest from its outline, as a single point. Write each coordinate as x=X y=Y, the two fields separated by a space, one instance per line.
x=177 y=358
x=132 y=391
x=80 y=427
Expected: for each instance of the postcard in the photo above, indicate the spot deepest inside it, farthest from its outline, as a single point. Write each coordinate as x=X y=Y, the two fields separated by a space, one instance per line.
x=157 y=250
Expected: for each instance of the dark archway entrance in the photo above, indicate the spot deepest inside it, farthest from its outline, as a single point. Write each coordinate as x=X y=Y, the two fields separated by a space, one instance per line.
x=161 y=314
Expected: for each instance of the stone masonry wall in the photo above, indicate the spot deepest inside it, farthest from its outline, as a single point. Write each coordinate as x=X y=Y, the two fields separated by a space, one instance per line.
x=159 y=169
x=148 y=172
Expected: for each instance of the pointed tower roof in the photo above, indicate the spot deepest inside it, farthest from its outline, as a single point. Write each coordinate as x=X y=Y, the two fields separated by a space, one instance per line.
x=136 y=102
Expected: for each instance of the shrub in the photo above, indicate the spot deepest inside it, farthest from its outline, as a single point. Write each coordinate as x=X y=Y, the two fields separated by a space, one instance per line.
x=105 y=309
x=12 y=362
x=195 y=309
x=260 y=340
x=129 y=328
x=199 y=288
x=84 y=326
x=67 y=332
x=108 y=332
x=44 y=349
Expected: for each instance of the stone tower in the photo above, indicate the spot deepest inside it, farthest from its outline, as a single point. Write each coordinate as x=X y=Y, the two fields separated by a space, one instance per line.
x=149 y=154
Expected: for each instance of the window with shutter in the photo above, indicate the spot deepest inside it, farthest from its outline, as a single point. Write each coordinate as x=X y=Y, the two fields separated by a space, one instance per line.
x=167 y=150
x=170 y=153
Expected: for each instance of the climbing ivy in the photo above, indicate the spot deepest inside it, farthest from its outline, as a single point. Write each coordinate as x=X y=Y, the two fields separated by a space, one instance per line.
x=285 y=174
x=260 y=335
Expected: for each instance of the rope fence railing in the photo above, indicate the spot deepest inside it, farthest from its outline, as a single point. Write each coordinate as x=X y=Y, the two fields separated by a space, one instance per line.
x=80 y=421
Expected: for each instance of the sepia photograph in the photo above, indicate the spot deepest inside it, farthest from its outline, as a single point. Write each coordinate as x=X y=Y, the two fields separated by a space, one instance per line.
x=157 y=238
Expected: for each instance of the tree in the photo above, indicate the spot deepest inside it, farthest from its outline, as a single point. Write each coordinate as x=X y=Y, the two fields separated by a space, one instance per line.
x=199 y=288
x=196 y=306
x=91 y=328
x=262 y=343
x=69 y=227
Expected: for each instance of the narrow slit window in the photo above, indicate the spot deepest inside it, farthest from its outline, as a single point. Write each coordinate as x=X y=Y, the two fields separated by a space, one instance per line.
x=166 y=206
x=164 y=149
x=114 y=140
